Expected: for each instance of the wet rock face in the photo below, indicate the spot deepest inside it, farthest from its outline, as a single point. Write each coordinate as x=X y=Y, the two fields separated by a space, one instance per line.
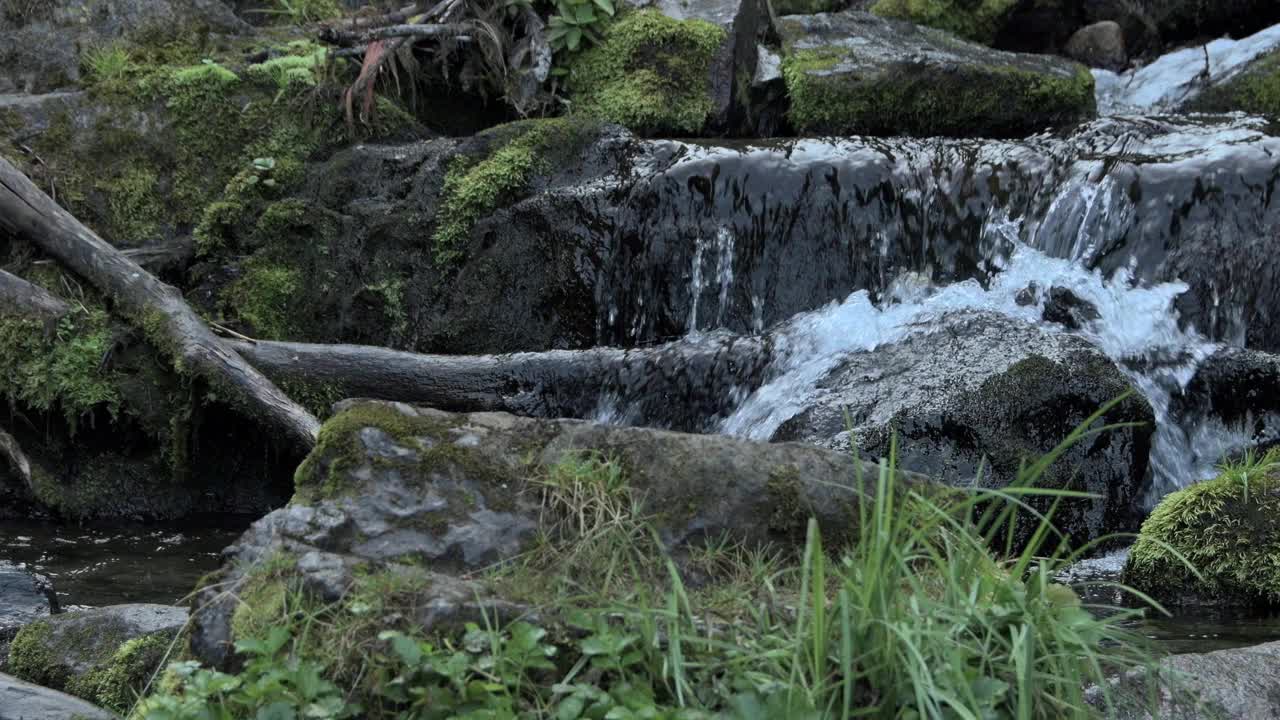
x=856 y=73
x=40 y=42
x=392 y=486
x=983 y=389
x=24 y=701
x=24 y=598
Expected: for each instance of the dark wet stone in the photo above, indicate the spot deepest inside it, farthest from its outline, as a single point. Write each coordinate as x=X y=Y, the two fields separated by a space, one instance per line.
x=1066 y=308
x=1099 y=45
x=984 y=390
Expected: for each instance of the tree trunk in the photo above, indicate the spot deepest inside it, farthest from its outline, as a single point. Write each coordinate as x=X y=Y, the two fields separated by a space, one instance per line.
x=28 y=214
x=691 y=376
x=10 y=449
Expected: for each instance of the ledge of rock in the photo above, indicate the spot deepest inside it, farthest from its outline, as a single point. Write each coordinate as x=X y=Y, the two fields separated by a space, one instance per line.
x=855 y=73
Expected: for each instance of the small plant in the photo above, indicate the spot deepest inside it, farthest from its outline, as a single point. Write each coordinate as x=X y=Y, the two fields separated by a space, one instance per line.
x=108 y=66
x=301 y=12
x=273 y=684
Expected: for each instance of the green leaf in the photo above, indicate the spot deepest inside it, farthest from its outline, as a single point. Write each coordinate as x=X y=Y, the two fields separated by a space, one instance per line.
x=573 y=39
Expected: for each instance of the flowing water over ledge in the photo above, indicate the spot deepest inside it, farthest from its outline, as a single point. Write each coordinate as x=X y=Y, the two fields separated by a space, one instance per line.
x=110 y=565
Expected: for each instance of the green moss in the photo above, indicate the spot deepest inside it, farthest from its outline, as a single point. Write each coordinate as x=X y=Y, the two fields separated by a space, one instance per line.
x=807 y=7
x=117 y=683
x=1257 y=91
x=62 y=370
x=290 y=70
x=650 y=74
x=977 y=20
x=263 y=603
x=1228 y=528
x=790 y=511
x=982 y=101
x=135 y=209
x=474 y=188
x=31 y=659
x=264 y=297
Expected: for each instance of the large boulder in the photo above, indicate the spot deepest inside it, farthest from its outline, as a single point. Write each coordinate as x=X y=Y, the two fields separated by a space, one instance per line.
x=1227 y=528
x=24 y=701
x=24 y=598
x=980 y=389
x=856 y=73
x=391 y=488
x=42 y=44
x=105 y=655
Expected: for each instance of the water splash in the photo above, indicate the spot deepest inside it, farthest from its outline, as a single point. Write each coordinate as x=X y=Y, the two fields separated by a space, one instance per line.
x=1137 y=328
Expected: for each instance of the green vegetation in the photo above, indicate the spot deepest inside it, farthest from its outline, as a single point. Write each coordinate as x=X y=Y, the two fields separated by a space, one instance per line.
x=1228 y=528
x=302 y=12
x=265 y=297
x=60 y=370
x=983 y=101
x=475 y=187
x=650 y=73
x=108 y=67
x=979 y=21
x=914 y=618
x=575 y=21
x=1256 y=90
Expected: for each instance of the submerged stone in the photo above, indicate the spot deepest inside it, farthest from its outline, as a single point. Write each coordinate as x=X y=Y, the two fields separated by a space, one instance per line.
x=855 y=73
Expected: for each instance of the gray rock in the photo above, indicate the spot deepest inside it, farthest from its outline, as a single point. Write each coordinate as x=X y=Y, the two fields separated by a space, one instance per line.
x=1236 y=684
x=984 y=389
x=393 y=486
x=41 y=43
x=1099 y=45
x=24 y=598
x=1068 y=309
x=60 y=651
x=855 y=73
x=21 y=700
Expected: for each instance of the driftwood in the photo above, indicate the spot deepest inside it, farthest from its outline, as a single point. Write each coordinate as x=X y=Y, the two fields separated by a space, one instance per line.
x=345 y=38
x=29 y=214
x=556 y=383
x=21 y=298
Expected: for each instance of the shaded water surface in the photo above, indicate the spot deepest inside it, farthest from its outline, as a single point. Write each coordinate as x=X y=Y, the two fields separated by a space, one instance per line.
x=108 y=565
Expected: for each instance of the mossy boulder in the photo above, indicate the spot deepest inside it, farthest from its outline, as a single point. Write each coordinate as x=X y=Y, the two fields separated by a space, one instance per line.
x=24 y=598
x=390 y=485
x=1227 y=528
x=105 y=655
x=673 y=68
x=1004 y=392
x=856 y=73
x=1255 y=89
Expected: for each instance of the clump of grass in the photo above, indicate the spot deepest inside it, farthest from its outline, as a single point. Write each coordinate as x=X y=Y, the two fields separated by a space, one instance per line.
x=301 y=12
x=108 y=66
x=916 y=618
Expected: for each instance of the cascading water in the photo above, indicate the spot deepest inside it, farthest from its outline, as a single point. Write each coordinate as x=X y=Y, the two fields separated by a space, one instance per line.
x=846 y=245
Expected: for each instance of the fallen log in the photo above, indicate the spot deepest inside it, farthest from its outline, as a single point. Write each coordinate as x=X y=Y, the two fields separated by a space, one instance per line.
x=21 y=298
x=684 y=382
x=29 y=214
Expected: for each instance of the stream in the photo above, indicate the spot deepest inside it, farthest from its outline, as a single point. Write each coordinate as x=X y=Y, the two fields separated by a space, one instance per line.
x=936 y=226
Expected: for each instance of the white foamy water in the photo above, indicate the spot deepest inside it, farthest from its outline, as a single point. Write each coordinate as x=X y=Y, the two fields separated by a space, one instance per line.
x=1138 y=329
x=1177 y=77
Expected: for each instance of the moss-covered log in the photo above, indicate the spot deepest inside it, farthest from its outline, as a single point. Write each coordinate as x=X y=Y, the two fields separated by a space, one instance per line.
x=29 y=214
x=21 y=298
